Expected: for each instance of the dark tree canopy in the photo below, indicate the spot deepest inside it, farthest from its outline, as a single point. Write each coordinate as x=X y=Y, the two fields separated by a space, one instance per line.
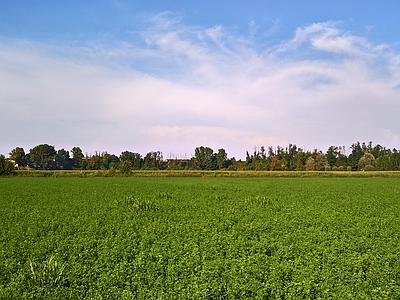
x=42 y=157
x=6 y=166
x=363 y=156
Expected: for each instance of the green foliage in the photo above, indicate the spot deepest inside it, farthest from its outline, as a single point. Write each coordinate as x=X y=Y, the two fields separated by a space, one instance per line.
x=204 y=158
x=310 y=164
x=153 y=161
x=200 y=238
x=49 y=274
x=125 y=167
x=369 y=168
x=77 y=157
x=134 y=158
x=6 y=166
x=320 y=162
x=18 y=156
x=222 y=159
x=136 y=203
x=383 y=163
x=63 y=161
x=290 y=158
x=367 y=162
x=42 y=157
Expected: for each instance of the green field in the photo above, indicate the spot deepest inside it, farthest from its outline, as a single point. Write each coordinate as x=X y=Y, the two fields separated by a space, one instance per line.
x=199 y=238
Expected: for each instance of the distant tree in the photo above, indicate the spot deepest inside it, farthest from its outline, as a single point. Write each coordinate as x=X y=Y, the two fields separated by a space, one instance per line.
x=42 y=157
x=367 y=162
x=153 y=161
x=95 y=162
x=222 y=159
x=291 y=153
x=77 y=157
x=134 y=158
x=271 y=152
x=6 y=166
x=249 y=158
x=378 y=151
x=263 y=153
x=332 y=155
x=203 y=157
x=275 y=164
x=357 y=151
x=342 y=160
x=63 y=161
x=18 y=156
x=125 y=166
x=395 y=160
x=301 y=160
x=310 y=164
x=321 y=163
x=109 y=161
x=383 y=163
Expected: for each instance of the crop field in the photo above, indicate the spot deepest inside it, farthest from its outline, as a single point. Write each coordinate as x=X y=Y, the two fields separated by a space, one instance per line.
x=199 y=238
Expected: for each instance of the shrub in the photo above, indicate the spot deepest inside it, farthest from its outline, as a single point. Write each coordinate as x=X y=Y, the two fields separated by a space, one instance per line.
x=6 y=166
x=369 y=168
x=125 y=167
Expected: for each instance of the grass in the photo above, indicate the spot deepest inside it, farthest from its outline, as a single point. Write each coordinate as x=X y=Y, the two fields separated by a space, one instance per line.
x=199 y=238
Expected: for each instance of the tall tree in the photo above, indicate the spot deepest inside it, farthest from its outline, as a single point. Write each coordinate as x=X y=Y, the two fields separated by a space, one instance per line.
x=153 y=160
x=63 y=161
x=301 y=160
x=6 y=166
x=321 y=163
x=383 y=163
x=367 y=162
x=42 y=157
x=395 y=160
x=222 y=158
x=332 y=155
x=357 y=151
x=95 y=162
x=134 y=158
x=18 y=156
x=203 y=157
x=310 y=164
x=109 y=161
x=292 y=152
x=77 y=157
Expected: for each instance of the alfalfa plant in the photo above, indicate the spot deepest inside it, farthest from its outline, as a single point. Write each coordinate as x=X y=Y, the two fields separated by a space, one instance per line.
x=259 y=200
x=48 y=274
x=136 y=203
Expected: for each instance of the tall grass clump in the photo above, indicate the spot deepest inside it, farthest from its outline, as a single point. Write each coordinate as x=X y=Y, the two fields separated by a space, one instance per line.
x=48 y=274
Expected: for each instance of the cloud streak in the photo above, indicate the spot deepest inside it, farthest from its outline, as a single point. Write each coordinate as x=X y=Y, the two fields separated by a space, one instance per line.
x=190 y=86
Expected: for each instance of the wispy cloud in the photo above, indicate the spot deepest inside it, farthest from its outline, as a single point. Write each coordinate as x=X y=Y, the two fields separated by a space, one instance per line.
x=188 y=86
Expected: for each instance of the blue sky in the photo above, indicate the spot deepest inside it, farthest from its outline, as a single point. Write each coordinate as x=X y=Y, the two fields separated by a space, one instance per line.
x=173 y=75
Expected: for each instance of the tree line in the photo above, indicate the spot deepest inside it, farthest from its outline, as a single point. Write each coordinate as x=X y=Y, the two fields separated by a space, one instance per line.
x=361 y=156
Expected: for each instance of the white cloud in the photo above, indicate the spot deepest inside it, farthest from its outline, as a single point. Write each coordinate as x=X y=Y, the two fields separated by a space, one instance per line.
x=192 y=86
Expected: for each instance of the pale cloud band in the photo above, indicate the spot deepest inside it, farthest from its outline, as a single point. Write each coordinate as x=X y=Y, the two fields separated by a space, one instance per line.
x=189 y=86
